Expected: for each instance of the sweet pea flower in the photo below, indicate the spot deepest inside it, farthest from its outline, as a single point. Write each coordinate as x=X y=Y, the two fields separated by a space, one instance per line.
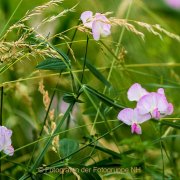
x=156 y=104
x=5 y=141
x=149 y=105
x=173 y=3
x=133 y=118
x=99 y=24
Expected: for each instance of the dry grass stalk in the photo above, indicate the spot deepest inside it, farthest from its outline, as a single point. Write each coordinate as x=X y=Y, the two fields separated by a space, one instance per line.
x=155 y=28
x=50 y=125
x=127 y=25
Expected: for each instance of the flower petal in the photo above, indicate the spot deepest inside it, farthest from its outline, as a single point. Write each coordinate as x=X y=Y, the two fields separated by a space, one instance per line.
x=5 y=140
x=173 y=3
x=106 y=30
x=126 y=116
x=135 y=92
x=160 y=91
x=9 y=151
x=96 y=30
x=144 y=104
x=156 y=114
x=170 y=109
x=87 y=18
x=136 y=128
x=153 y=103
x=162 y=103
x=139 y=118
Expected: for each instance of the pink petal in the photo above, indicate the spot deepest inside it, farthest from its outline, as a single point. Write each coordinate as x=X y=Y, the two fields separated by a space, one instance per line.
x=5 y=140
x=156 y=114
x=140 y=118
x=135 y=128
x=87 y=18
x=100 y=17
x=160 y=91
x=9 y=151
x=174 y=3
x=170 y=109
x=106 y=30
x=156 y=104
x=161 y=103
x=135 y=92
x=101 y=26
x=126 y=116
x=96 y=30
x=145 y=103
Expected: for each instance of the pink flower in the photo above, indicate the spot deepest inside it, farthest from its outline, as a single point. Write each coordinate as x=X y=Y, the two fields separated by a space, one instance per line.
x=149 y=105
x=156 y=104
x=5 y=141
x=133 y=118
x=99 y=24
x=173 y=3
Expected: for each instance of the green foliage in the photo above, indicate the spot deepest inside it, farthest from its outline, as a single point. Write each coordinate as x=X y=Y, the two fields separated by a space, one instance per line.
x=67 y=147
x=53 y=64
x=97 y=73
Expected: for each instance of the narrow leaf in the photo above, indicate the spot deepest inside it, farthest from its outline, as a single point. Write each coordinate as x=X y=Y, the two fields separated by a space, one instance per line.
x=97 y=73
x=103 y=98
x=172 y=124
x=70 y=98
x=64 y=56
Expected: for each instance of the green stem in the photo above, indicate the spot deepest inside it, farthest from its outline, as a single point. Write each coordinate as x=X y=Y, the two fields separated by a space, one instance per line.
x=85 y=57
x=1 y=110
x=161 y=145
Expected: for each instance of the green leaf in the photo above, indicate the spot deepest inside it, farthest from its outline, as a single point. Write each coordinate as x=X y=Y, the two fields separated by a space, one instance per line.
x=64 y=56
x=103 y=98
x=67 y=147
x=110 y=152
x=172 y=124
x=70 y=98
x=97 y=73
x=53 y=64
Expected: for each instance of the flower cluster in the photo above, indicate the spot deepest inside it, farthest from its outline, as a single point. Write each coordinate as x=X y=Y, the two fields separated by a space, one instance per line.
x=98 y=23
x=149 y=105
x=5 y=141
